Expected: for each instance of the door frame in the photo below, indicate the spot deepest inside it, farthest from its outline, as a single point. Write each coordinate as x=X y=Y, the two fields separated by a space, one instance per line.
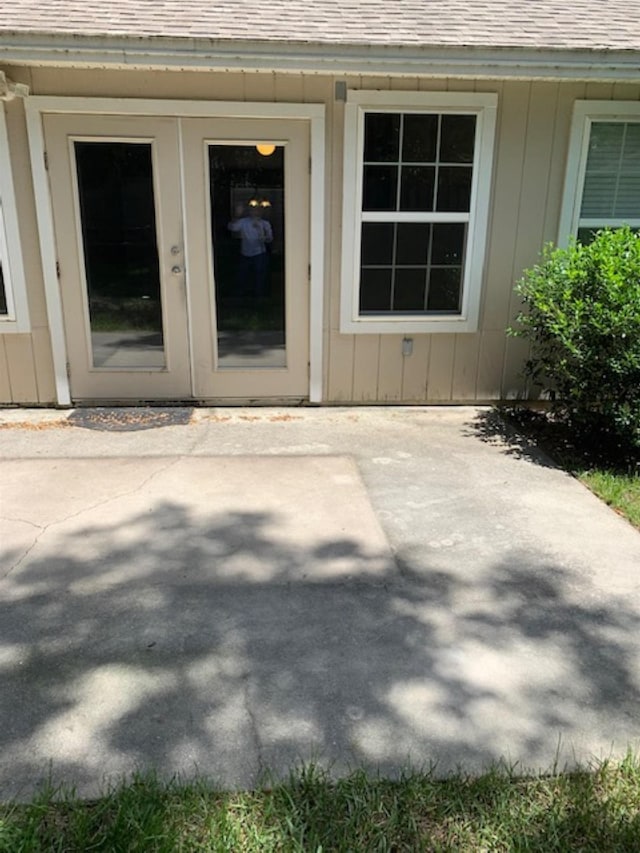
x=37 y=106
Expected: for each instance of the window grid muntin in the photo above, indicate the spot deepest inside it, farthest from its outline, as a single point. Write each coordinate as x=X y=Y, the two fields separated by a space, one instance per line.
x=430 y=217
x=427 y=268
x=399 y=163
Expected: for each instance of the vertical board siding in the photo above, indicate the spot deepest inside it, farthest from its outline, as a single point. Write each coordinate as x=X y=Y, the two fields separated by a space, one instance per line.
x=390 y=365
x=340 y=373
x=534 y=187
x=440 y=375
x=513 y=383
x=289 y=88
x=625 y=92
x=414 y=370
x=5 y=385
x=365 y=368
x=530 y=157
x=260 y=87
x=465 y=367
x=21 y=369
x=490 y=364
x=508 y=170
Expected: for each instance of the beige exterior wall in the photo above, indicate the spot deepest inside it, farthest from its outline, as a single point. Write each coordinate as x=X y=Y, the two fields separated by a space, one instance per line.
x=529 y=163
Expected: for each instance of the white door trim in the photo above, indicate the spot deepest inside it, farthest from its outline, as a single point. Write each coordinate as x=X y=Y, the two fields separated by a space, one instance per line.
x=37 y=106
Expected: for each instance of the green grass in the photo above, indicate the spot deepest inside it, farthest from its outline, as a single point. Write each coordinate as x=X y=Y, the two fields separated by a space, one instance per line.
x=610 y=470
x=596 y=810
x=620 y=491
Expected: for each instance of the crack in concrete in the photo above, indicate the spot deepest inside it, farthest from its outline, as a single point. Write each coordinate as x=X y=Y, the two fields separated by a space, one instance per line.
x=21 y=521
x=44 y=529
x=26 y=553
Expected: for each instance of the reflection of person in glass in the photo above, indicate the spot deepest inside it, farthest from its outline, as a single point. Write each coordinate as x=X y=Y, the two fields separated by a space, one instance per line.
x=254 y=232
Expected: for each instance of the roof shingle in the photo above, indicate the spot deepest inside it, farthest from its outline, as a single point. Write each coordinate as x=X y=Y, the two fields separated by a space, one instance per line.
x=582 y=25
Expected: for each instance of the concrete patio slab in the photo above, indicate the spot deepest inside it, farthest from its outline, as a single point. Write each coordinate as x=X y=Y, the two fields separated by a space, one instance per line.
x=249 y=588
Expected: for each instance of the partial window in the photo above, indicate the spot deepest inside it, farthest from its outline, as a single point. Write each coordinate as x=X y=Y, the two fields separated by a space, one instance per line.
x=5 y=310
x=416 y=196
x=602 y=187
x=13 y=299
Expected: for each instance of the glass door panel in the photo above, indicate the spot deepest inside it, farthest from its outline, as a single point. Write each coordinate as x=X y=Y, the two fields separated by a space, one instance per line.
x=115 y=193
x=122 y=268
x=248 y=244
x=247 y=226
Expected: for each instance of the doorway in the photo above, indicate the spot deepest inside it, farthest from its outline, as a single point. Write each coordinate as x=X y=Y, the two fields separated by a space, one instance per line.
x=183 y=255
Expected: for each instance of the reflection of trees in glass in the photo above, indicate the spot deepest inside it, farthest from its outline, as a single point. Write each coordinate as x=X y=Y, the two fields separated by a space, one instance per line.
x=115 y=187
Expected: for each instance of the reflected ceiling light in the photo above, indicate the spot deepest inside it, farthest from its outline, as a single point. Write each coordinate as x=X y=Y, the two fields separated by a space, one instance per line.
x=265 y=203
x=265 y=148
x=253 y=202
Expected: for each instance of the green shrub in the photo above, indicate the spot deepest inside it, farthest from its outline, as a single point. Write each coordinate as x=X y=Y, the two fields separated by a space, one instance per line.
x=582 y=317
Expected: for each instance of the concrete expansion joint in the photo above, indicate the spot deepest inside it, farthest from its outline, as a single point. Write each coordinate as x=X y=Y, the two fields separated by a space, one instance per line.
x=253 y=723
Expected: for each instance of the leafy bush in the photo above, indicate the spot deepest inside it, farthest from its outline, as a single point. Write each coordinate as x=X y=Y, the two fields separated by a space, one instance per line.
x=582 y=318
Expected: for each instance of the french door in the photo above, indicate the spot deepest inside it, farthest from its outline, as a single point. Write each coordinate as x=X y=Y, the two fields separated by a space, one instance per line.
x=183 y=252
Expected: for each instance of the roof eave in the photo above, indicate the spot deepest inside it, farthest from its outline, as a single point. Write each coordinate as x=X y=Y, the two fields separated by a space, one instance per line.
x=210 y=54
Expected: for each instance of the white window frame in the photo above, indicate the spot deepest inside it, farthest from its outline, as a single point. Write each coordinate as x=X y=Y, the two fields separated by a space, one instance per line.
x=17 y=318
x=484 y=107
x=585 y=115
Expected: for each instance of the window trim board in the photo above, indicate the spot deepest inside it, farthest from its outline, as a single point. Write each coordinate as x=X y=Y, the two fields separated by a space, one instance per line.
x=484 y=107
x=17 y=320
x=585 y=114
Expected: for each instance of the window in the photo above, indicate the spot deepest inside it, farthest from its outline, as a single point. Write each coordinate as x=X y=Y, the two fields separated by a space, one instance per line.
x=417 y=175
x=13 y=300
x=602 y=187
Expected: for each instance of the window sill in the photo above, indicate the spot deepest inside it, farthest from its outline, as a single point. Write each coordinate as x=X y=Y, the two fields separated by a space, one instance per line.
x=14 y=327
x=406 y=324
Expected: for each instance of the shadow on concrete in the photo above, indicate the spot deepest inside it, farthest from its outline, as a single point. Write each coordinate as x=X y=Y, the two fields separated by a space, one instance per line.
x=492 y=427
x=210 y=647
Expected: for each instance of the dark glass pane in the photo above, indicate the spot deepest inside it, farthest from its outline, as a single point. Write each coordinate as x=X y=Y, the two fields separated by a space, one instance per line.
x=412 y=243
x=457 y=138
x=586 y=235
x=416 y=192
x=3 y=294
x=247 y=204
x=444 y=289
x=379 y=187
x=375 y=290
x=117 y=211
x=420 y=136
x=454 y=188
x=377 y=243
x=409 y=288
x=448 y=243
x=381 y=137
